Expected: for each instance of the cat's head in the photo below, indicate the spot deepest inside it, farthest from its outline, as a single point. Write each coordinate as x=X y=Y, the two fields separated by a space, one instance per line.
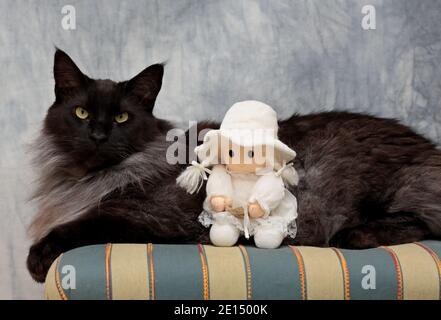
x=97 y=123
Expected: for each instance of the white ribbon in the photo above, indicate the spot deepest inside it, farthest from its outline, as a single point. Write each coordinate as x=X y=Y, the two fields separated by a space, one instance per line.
x=246 y=222
x=285 y=166
x=204 y=170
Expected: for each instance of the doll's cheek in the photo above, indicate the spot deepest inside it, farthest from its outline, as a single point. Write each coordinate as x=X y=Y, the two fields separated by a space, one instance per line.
x=260 y=162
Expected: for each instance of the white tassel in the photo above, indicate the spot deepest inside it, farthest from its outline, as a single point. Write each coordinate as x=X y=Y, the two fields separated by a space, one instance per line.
x=289 y=174
x=193 y=177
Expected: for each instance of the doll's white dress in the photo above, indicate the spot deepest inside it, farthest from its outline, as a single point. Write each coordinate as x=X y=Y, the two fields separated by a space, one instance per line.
x=265 y=187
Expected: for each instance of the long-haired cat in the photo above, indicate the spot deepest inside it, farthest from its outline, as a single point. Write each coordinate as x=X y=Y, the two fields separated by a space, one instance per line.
x=364 y=181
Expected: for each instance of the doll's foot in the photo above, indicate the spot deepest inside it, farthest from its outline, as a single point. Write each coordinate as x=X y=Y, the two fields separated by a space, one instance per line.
x=268 y=238
x=224 y=235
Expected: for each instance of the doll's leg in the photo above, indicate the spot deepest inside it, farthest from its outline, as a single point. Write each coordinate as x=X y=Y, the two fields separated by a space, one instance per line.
x=224 y=234
x=268 y=237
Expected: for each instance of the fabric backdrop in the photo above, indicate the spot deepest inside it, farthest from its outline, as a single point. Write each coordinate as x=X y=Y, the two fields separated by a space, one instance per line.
x=297 y=56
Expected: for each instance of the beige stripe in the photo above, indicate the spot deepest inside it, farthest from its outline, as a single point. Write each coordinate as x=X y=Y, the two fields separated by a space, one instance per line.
x=420 y=272
x=324 y=276
x=226 y=273
x=130 y=272
x=50 y=286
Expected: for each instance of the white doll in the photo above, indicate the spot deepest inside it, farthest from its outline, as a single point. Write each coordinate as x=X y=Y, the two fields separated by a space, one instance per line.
x=246 y=191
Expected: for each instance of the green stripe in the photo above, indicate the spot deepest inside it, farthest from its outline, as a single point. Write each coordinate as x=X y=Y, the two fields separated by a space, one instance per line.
x=434 y=245
x=275 y=274
x=178 y=272
x=385 y=274
x=90 y=272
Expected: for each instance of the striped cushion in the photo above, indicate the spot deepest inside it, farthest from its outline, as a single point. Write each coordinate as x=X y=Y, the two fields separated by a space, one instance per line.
x=155 y=271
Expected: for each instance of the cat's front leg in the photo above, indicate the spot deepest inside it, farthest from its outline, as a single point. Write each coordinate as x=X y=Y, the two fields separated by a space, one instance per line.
x=92 y=229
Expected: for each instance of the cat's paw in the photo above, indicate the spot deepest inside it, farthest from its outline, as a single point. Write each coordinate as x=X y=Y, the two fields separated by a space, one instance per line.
x=40 y=258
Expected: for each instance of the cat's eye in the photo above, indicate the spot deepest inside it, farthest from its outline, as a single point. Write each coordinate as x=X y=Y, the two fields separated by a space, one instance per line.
x=251 y=154
x=231 y=153
x=81 y=113
x=122 y=117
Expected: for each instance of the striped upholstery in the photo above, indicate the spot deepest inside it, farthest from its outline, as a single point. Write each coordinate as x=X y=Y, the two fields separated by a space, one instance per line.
x=197 y=272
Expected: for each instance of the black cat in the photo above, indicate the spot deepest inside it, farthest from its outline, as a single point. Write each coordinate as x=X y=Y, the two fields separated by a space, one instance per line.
x=364 y=181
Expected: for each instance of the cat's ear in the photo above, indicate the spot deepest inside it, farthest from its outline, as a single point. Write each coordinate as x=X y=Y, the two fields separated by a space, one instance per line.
x=66 y=73
x=146 y=85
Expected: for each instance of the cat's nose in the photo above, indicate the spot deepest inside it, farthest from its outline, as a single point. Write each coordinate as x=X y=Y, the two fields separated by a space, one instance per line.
x=98 y=136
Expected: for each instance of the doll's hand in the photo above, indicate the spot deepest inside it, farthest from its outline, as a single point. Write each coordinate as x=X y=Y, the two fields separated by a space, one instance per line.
x=220 y=203
x=255 y=210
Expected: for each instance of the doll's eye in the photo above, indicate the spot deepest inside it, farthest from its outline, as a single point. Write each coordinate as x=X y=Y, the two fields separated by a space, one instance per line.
x=231 y=153
x=251 y=154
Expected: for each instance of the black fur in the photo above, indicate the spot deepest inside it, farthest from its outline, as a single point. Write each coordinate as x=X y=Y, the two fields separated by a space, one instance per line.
x=364 y=181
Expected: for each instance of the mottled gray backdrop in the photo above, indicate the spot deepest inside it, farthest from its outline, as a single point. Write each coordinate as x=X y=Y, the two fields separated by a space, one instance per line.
x=301 y=56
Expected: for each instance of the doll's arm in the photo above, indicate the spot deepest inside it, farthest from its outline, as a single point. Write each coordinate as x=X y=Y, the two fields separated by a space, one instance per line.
x=268 y=192
x=219 y=188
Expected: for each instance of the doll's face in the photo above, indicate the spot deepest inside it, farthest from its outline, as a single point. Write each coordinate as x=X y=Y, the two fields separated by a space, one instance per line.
x=243 y=160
